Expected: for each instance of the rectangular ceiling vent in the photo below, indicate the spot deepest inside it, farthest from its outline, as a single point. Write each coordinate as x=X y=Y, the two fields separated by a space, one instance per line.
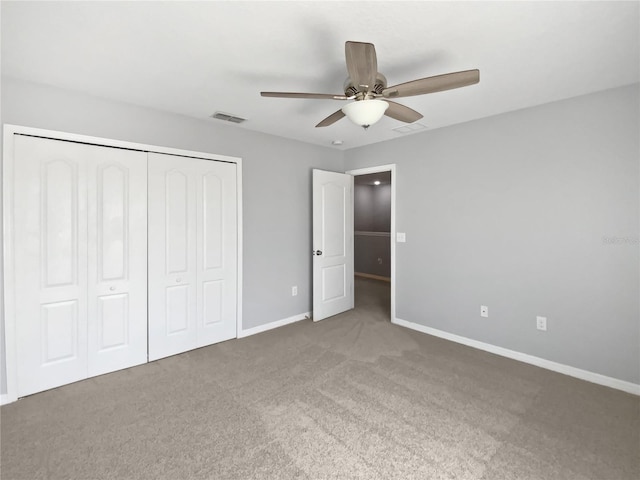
x=227 y=117
x=410 y=128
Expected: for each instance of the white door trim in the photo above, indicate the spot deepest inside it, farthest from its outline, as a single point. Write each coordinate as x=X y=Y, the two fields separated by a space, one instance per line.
x=387 y=168
x=10 y=360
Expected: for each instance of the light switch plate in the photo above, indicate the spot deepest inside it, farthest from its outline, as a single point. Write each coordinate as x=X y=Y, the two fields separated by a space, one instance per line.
x=401 y=237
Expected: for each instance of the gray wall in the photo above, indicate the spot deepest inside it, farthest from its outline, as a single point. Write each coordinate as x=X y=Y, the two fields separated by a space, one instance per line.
x=372 y=255
x=372 y=208
x=372 y=213
x=534 y=212
x=276 y=183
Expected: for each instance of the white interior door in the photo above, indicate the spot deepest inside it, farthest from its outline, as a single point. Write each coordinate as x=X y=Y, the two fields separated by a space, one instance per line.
x=192 y=253
x=50 y=228
x=217 y=253
x=332 y=243
x=117 y=282
x=172 y=256
x=80 y=264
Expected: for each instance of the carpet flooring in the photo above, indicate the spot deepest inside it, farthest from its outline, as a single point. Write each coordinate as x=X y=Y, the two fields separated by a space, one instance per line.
x=351 y=397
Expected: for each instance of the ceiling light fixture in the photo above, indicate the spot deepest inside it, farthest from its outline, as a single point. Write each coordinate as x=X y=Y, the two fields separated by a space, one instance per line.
x=365 y=112
x=377 y=182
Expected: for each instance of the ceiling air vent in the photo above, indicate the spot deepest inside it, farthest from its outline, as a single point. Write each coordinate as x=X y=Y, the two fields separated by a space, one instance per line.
x=410 y=128
x=227 y=117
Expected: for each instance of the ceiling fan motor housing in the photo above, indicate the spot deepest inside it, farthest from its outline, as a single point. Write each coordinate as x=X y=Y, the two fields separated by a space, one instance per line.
x=351 y=90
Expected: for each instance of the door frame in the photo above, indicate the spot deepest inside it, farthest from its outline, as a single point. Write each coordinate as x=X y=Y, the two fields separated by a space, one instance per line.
x=378 y=169
x=8 y=244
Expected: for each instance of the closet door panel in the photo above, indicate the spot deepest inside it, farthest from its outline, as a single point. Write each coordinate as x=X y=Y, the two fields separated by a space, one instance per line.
x=172 y=255
x=178 y=200
x=217 y=252
x=192 y=253
x=117 y=205
x=49 y=216
x=120 y=257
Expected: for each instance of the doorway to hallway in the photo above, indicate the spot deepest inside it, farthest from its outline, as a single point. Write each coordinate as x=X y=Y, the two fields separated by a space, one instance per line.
x=374 y=229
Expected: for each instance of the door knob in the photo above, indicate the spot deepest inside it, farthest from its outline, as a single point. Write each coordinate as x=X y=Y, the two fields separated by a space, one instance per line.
x=178 y=280
x=318 y=252
x=112 y=288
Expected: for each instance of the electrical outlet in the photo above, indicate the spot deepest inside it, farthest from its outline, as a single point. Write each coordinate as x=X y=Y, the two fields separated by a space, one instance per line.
x=294 y=291
x=484 y=311
x=541 y=323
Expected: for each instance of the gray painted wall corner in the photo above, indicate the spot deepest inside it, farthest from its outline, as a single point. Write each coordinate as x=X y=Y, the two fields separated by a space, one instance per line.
x=535 y=212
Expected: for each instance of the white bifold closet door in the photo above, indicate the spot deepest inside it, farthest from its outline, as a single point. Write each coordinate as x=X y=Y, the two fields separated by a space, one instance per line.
x=192 y=253
x=79 y=214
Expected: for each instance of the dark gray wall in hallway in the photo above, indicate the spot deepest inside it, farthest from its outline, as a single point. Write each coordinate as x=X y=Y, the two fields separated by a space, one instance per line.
x=372 y=213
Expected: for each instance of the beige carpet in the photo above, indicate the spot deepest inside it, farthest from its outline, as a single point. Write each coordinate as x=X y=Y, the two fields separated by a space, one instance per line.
x=350 y=397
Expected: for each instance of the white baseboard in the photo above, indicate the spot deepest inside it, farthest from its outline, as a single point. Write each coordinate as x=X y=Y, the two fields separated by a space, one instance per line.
x=592 y=377
x=275 y=324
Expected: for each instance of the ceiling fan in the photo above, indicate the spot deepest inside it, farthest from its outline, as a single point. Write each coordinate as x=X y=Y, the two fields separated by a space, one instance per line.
x=366 y=86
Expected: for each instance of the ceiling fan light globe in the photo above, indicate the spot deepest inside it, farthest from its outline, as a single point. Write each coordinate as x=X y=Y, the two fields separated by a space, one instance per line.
x=365 y=112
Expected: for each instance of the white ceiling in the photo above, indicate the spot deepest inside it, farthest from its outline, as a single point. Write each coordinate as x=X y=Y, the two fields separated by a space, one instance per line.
x=195 y=58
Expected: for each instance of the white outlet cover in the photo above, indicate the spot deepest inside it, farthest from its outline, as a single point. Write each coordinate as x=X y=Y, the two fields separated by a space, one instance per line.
x=401 y=237
x=541 y=323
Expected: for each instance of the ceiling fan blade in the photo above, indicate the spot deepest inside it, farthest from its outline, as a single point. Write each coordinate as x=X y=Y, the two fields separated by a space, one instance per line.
x=323 y=96
x=438 y=83
x=331 y=119
x=362 y=64
x=402 y=113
